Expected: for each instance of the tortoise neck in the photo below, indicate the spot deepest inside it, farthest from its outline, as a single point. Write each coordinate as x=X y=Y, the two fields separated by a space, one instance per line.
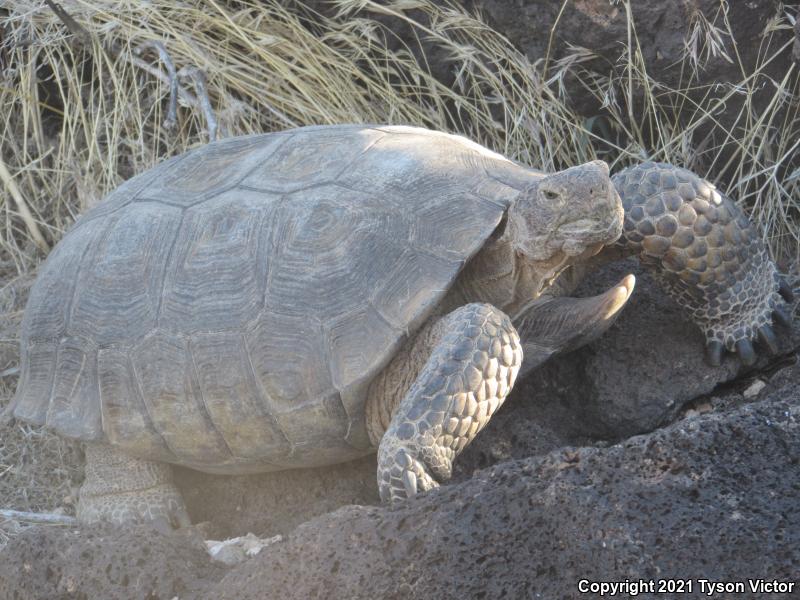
x=496 y=275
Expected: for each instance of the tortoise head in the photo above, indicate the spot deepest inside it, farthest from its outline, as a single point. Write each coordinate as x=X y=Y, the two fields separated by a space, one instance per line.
x=567 y=216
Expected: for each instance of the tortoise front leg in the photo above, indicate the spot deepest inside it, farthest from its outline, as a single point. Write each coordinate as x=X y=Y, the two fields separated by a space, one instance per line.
x=706 y=253
x=122 y=489
x=467 y=377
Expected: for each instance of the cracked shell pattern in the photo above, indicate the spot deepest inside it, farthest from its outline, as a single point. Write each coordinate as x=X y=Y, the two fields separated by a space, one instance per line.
x=702 y=247
x=466 y=379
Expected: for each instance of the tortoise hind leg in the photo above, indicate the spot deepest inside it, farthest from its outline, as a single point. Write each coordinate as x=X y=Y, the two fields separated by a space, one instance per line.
x=467 y=377
x=122 y=489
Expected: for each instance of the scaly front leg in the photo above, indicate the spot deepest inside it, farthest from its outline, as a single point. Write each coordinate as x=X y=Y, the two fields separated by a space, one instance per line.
x=466 y=379
x=707 y=255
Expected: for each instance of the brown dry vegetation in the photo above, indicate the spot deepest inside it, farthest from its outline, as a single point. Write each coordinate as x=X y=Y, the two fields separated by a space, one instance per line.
x=83 y=108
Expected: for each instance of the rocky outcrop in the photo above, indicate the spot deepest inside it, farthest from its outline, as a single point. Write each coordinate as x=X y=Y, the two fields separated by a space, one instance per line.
x=663 y=28
x=54 y=563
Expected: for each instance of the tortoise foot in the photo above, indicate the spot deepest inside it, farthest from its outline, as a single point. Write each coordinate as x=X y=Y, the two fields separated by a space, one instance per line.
x=124 y=490
x=403 y=476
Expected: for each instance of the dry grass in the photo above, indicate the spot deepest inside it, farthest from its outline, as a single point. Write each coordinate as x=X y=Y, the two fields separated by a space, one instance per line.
x=80 y=114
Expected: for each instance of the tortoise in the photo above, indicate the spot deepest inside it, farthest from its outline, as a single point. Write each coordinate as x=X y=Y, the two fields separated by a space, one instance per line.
x=303 y=298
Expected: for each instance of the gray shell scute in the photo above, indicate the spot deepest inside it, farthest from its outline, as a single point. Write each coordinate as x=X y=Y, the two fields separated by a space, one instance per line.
x=420 y=165
x=447 y=231
x=50 y=300
x=357 y=341
x=233 y=399
x=126 y=420
x=168 y=381
x=218 y=270
x=330 y=245
x=311 y=156
x=75 y=403
x=118 y=291
x=207 y=171
x=37 y=367
x=291 y=366
x=289 y=362
x=403 y=297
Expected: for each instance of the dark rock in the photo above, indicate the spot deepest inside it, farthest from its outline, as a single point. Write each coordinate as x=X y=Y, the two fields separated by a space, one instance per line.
x=637 y=376
x=54 y=563
x=796 y=45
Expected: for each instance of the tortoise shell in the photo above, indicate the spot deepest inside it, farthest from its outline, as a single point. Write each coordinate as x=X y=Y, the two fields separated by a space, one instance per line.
x=227 y=309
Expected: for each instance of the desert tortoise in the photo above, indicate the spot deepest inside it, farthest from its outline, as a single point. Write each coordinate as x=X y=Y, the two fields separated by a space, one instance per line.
x=302 y=298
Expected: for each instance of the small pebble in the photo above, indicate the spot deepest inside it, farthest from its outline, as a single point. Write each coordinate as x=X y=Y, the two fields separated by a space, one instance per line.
x=754 y=389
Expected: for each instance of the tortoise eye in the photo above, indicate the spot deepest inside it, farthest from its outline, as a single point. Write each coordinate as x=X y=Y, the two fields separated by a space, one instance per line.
x=550 y=195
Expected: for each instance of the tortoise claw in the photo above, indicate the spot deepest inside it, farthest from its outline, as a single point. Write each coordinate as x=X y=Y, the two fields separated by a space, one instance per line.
x=782 y=316
x=767 y=337
x=714 y=353
x=786 y=291
x=745 y=350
